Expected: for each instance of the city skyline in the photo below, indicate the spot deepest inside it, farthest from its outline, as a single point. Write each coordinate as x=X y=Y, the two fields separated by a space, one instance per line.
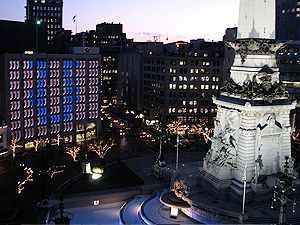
x=197 y=18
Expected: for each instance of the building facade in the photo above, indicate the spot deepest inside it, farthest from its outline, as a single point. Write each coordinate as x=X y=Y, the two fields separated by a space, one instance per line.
x=287 y=19
x=48 y=12
x=43 y=96
x=3 y=139
x=112 y=42
x=177 y=81
x=288 y=60
x=11 y=31
x=130 y=67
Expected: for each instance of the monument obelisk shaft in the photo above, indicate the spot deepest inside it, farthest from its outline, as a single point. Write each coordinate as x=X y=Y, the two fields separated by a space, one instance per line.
x=256 y=19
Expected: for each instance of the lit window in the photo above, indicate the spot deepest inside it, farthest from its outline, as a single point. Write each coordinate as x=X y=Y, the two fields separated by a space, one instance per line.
x=182 y=63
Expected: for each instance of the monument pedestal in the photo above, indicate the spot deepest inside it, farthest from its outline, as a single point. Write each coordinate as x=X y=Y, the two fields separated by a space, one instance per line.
x=215 y=186
x=248 y=132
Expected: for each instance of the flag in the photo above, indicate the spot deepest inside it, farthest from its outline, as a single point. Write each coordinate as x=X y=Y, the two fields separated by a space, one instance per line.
x=74 y=17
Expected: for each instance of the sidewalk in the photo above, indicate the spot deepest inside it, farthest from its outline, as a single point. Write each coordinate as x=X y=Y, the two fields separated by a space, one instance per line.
x=256 y=211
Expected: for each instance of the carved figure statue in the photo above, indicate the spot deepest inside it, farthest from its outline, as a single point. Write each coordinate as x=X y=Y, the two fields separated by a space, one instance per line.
x=223 y=151
x=261 y=86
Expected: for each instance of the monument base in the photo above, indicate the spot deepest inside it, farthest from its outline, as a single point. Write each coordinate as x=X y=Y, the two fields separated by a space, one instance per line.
x=232 y=189
x=214 y=185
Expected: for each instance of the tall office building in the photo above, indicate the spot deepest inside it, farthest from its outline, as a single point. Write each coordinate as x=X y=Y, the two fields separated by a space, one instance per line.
x=49 y=12
x=176 y=81
x=112 y=41
x=287 y=19
x=288 y=60
x=44 y=95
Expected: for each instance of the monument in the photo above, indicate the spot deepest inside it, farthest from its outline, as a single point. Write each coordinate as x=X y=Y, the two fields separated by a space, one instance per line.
x=252 y=127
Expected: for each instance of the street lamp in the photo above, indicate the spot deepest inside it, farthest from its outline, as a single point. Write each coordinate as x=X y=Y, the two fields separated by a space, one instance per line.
x=177 y=128
x=38 y=23
x=285 y=183
x=161 y=161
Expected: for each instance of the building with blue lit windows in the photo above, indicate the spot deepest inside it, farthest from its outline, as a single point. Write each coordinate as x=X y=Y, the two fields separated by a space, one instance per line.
x=44 y=95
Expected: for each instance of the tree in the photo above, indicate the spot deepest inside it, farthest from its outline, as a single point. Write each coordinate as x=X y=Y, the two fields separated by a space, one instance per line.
x=28 y=178
x=37 y=143
x=177 y=128
x=202 y=129
x=55 y=170
x=57 y=139
x=14 y=146
x=180 y=189
x=73 y=152
x=101 y=147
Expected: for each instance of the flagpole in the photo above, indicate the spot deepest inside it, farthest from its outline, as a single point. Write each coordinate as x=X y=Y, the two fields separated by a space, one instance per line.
x=76 y=24
x=75 y=20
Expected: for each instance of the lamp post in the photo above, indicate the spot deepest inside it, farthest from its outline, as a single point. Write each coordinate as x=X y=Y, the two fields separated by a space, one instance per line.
x=177 y=128
x=38 y=23
x=161 y=161
x=285 y=183
x=244 y=192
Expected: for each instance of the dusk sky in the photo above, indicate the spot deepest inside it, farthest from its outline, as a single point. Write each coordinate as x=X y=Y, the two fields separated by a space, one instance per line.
x=175 y=19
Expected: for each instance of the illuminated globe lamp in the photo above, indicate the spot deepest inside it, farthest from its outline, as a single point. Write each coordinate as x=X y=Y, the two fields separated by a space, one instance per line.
x=97 y=173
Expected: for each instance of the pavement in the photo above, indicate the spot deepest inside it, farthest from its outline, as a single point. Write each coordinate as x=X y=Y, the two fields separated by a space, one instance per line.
x=129 y=214
x=189 y=168
x=103 y=214
x=147 y=208
x=256 y=211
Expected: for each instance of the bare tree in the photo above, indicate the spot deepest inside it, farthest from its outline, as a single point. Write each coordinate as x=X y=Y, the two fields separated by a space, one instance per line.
x=180 y=189
x=55 y=170
x=28 y=178
x=101 y=147
x=177 y=127
x=73 y=152
x=14 y=146
x=37 y=143
x=202 y=129
x=57 y=139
